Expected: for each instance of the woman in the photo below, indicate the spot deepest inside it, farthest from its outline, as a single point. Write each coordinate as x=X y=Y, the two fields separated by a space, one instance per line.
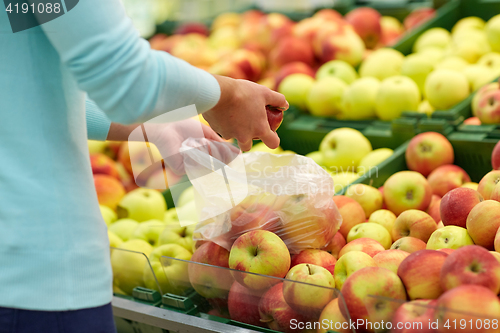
x=55 y=274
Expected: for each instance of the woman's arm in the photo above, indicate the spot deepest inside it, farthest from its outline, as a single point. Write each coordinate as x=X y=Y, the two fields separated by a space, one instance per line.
x=132 y=83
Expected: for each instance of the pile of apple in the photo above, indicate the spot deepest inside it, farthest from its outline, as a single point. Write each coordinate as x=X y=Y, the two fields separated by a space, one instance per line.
x=486 y=105
x=426 y=238
x=267 y=47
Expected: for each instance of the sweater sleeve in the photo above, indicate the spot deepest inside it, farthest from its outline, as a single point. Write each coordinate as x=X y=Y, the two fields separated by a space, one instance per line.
x=97 y=123
x=119 y=71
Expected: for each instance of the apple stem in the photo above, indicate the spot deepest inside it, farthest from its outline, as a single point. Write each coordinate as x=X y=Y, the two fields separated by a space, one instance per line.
x=309 y=268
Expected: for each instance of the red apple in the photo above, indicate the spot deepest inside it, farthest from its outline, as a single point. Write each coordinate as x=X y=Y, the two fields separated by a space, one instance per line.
x=227 y=68
x=471 y=264
x=457 y=204
x=103 y=165
x=192 y=27
x=418 y=17
x=472 y=121
x=407 y=190
x=109 y=190
x=313 y=256
x=251 y=215
x=446 y=178
x=291 y=49
x=208 y=281
x=392 y=30
x=292 y=68
x=274 y=117
x=414 y=317
x=335 y=245
x=243 y=305
x=488 y=108
x=250 y=62
x=420 y=273
x=446 y=250
x=366 y=23
x=414 y=223
x=488 y=183
x=495 y=157
x=469 y=304
x=260 y=252
x=409 y=244
x=276 y=313
x=434 y=208
x=372 y=294
x=427 y=151
x=351 y=211
x=334 y=317
x=483 y=222
x=366 y=245
x=390 y=259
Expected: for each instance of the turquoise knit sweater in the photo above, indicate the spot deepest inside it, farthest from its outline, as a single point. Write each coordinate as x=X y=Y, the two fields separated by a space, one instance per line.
x=54 y=251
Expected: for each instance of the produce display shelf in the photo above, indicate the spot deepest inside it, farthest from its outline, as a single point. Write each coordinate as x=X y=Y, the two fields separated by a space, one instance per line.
x=395 y=8
x=446 y=17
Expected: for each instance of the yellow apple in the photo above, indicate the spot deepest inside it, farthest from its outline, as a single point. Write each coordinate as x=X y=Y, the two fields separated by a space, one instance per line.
x=445 y=88
x=490 y=60
x=342 y=179
x=325 y=97
x=371 y=230
x=142 y=204
x=433 y=53
x=108 y=215
x=397 y=94
x=295 y=88
x=339 y=69
x=493 y=32
x=384 y=217
x=114 y=240
x=261 y=147
x=168 y=275
x=367 y=196
x=149 y=231
x=127 y=262
x=343 y=148
x=467 y=23
x=435 y=37
x=382 y=63
x=370 y=162
x=124 y=228
x=471 y=185
x=184 y=237
x=316 y=156
x=359 y=99
x=426 y=107
x=417 y=67
x=453 y=63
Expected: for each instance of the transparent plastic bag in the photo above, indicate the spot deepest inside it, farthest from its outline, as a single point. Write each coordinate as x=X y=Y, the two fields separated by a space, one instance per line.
x=289 y=195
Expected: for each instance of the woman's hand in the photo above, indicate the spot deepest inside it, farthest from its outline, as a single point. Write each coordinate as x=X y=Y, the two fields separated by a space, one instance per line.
x=241 y=112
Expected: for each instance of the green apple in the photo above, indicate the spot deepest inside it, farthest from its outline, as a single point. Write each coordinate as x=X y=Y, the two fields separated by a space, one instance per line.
x=417 y=67
x=445 y=88
x=149 y=231
x=171 y=275
x=96 y=147
x=493 y=32
x=382 y=63
x=305 y=297
x=453 y=63
x=384 y=217
x=343 y=148
x=435 y=37
x=339 y=69
x=108 y=214
x=397 y=94
x=475 y=39
x=127 y=262
x=449 y=237
x=467 y=23
x=490 y=60
x=342 y=179
x=183 y=238
x=359 y=99
x=295 y=88
x=124 y=228
x=371 y=230
x=114 y=240
x=426 y=107
x=475 y=73
x=186 y=196
x=350 y=263
x=373 y=159
x=367 y=196
x=325 y=97
x=142 y=204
